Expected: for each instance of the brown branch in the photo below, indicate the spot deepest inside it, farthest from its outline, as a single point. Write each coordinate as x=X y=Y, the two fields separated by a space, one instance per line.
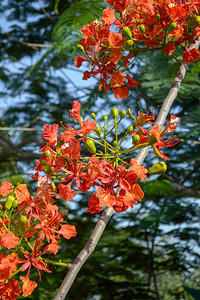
x=32 y=45
x=108 y=212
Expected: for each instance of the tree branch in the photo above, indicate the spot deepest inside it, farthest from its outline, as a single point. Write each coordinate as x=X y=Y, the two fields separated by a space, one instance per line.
x=108 y=212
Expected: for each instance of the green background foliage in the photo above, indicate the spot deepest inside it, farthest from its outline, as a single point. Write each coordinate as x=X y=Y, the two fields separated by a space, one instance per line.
x=150 y=252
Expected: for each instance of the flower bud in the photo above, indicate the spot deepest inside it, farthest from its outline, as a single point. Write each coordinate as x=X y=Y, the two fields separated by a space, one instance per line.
x=152 y=140
x=47 y=169
x=142 y=28
x=137 y=21
x=172 y=26
x=15 y=203
x=123 y=114
x=130 y=129
x=136 y=139
x=9 y=201
x=53 y=186
x=127 y=31
x=43 y=162
x=114 y=112
x=23 y=219
x=158 y=168
x=158 y=17
x=129 y=43
x=80 y=48
x=114 y=143
x=105 y=118
x=93 y=116
x=48 y=153
x=98 y=131
x=90 y=146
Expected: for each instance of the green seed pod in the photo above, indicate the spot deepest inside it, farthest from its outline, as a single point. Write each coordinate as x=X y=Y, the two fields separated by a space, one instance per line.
x=98 y=131
x=15 y=203
x=127 y=31
x=130 y=129
x=47 y=169
x=129 y=43
x=80 y=48
x=105 y=118
x=158 y=168
x=114 y=143
x=123 y=114
x=114 y=112
x=43 y=162
x=93 y=116
x=142 y=28
x=9 y=201
x=158 y=17
x=136 y=139
x=90 y=146
x=137 y=21
x=172 y=26
x=23 y=219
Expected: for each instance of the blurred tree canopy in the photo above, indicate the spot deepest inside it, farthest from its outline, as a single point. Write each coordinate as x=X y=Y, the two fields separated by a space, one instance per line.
x=152 y=251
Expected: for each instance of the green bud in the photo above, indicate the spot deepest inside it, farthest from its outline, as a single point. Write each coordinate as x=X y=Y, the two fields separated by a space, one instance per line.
x=127 y=31
x=47 y=169
x=93 y=116
x=114 y=143
x=142 y=28
x=105 y=118
x=130 y=129
x=172 y=26
x=197 y=19
x=137 y=21
x=136 y=139
x=152 y=140
x=90 y=146
x=123 y=114
x=23 y=219
x=98 y=131
x=80 y=47
x=43 y=162
x=15 y=203
x=114 y=112
x=129 y=43
x=48 y=153
x=158 y=168
x=53 y=186
x=9 y=201
x=192 y=15
x=158 y=17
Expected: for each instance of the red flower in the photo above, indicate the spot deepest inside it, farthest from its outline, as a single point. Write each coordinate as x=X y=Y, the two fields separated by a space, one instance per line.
x=74 y=113
x=28 y=286
x=50 y=133
x=191 y=55
x=6 y=188
x=108 y=16
x=10 y=290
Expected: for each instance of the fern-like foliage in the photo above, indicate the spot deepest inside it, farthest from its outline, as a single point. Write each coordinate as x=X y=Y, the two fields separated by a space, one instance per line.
x=161 y=187
x=66 y=32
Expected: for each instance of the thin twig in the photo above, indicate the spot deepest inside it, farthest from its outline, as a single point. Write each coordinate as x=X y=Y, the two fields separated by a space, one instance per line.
x=108 y=212
x=20 y=129
x=32 y=45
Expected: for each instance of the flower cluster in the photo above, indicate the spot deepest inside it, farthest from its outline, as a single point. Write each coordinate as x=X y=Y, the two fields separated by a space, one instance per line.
x=29 y=233
x=30 y=227
x=113 y=43
x=107 y=168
